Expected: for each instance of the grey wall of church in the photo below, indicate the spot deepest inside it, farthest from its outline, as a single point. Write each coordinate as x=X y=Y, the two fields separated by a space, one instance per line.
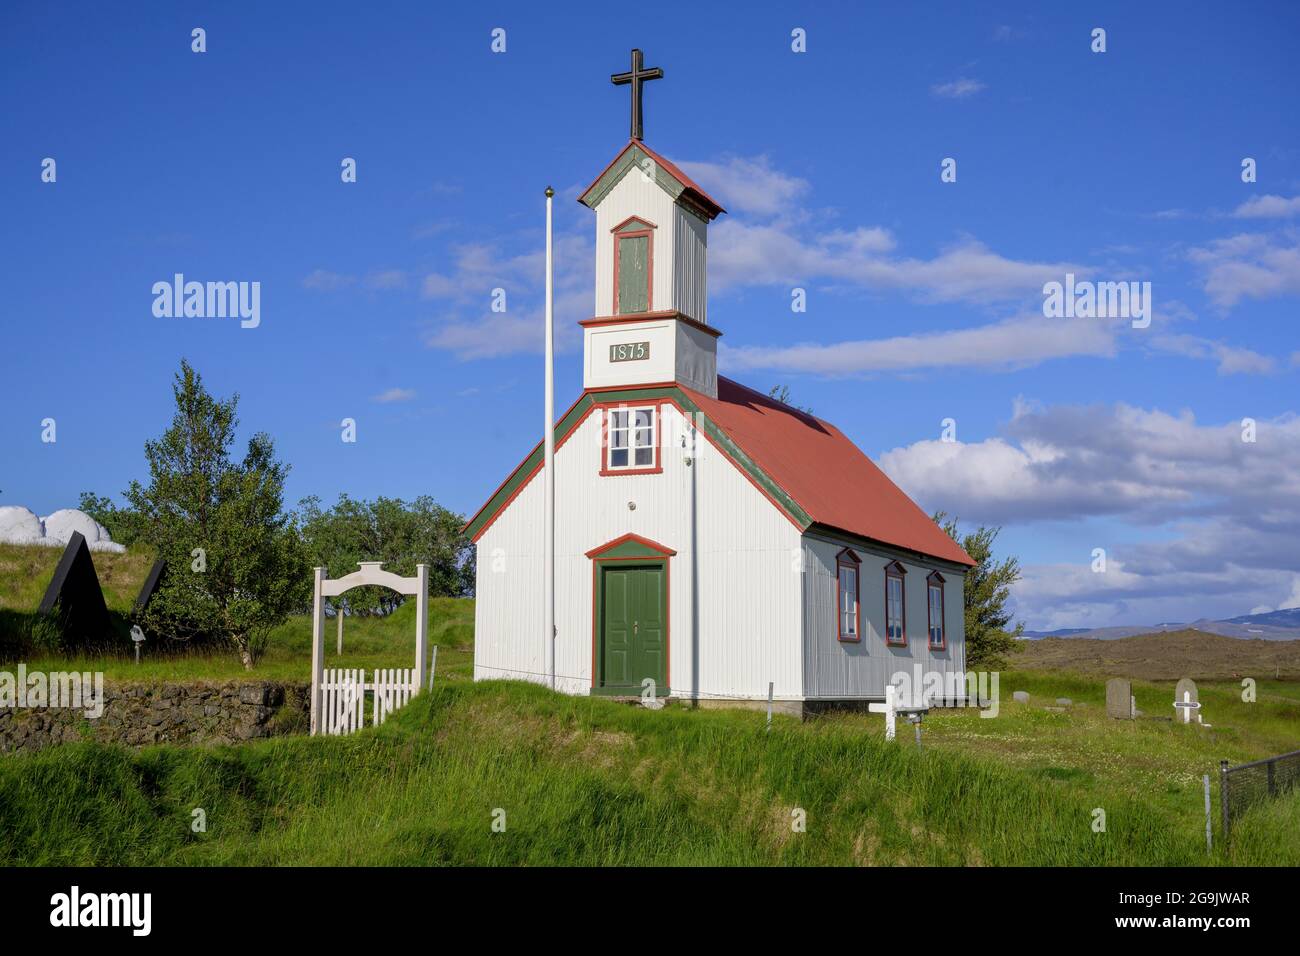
x=835 y=669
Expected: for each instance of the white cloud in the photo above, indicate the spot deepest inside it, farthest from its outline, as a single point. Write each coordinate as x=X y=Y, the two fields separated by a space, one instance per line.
x=958 y=89
x=748 y=185
x=322 y=280
x=395 y=395
x=1249 y=266
x=1232 y=359
x=1015 y=343
x=1268 y=207
x=1225 y=513
x=741 y=254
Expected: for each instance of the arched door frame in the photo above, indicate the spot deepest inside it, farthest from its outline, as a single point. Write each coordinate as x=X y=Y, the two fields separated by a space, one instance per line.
x=371 y=572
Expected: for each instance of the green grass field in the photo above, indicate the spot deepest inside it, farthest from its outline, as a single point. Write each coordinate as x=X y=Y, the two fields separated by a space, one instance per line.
x=594 y=782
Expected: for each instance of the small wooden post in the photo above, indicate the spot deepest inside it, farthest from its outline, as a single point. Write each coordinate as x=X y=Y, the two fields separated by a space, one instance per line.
x=338 y=613
x=1209 y=830
x=433 y=665
x=770 y=685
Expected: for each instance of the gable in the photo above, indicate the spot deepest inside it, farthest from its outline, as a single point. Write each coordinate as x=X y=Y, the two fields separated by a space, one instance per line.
x=680 y=187
x=804 y=466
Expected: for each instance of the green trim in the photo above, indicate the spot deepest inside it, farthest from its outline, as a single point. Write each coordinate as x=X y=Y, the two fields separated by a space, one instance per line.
x=698 y=416
x=632 y=549
x=631 y=158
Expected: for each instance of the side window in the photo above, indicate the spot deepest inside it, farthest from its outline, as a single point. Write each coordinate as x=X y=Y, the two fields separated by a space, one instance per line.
x=848 y=597
x=895 y=605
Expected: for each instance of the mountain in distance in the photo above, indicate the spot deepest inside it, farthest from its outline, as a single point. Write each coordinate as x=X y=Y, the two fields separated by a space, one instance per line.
x=1282 y=625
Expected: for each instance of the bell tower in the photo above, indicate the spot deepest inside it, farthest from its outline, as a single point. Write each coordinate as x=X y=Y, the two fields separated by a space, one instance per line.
x=651 y=319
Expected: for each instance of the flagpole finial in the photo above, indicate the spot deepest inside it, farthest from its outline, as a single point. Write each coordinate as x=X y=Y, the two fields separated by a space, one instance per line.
x=549 y=192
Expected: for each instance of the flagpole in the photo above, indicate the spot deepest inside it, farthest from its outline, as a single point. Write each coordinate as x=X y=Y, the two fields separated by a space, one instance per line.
x=548 y=574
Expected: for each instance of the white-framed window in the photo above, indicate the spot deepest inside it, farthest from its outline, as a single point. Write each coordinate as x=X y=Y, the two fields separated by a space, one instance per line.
x=848 y=596
x=895 y=605
x=630 y=440
x=934 y=588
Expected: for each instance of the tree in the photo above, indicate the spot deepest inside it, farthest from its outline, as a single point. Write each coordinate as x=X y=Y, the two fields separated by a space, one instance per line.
x=986 y=590
x=389 y=530
x=122 y=523
x=782 y=394
x=234 y=563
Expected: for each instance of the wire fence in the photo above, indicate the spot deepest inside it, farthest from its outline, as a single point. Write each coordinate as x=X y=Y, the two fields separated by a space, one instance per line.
x=1245 y=785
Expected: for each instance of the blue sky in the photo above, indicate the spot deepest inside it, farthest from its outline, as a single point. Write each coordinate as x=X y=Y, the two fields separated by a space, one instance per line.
x=924 y=297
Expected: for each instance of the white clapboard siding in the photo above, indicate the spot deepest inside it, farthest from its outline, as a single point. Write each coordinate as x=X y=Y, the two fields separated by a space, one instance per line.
x=343 y=697
x=749 y=614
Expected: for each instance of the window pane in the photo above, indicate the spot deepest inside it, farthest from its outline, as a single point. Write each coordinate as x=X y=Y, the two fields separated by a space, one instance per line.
x=618 y=458
x=645 y=456
x=620 y=419
x=618 y=439
x=644 y=417
x=643 y=438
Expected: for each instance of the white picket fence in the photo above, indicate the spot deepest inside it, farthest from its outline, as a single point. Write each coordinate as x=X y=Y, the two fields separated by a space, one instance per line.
x=343 y=697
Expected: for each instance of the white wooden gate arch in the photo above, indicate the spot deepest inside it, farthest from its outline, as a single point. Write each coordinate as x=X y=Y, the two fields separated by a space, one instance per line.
x=371 y=572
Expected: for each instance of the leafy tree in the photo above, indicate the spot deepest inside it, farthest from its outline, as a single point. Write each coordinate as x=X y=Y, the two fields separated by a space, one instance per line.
x=234 y=565
x=400 y=535
x=123 y=524
x=782 y=394
x=986 y=591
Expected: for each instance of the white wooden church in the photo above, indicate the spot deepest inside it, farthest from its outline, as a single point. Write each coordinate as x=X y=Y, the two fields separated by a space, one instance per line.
x=708 y=538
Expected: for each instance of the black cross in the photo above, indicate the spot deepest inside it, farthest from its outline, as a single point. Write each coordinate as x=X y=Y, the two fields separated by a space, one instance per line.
x=636 y=76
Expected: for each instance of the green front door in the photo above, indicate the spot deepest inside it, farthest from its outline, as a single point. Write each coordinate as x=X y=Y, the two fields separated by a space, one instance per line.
x=633 y=604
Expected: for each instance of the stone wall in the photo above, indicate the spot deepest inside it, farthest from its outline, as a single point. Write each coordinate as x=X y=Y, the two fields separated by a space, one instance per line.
x=188 y=713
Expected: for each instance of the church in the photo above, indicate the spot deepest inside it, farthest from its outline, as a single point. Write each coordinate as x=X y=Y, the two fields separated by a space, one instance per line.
x=712 y=544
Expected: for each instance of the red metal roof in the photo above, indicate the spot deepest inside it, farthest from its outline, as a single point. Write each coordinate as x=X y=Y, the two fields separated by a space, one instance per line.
x=699 y=195
x=824 y=472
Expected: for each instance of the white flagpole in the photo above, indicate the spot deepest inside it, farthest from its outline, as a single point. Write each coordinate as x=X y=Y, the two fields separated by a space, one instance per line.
x=548 y=467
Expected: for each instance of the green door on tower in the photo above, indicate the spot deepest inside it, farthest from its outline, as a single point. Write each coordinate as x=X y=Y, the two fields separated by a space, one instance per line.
x=632 y=609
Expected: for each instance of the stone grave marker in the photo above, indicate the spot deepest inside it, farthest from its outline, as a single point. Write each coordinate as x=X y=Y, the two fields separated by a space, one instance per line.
x=1119 y=699
x=1187 y=702
x=1020 y=696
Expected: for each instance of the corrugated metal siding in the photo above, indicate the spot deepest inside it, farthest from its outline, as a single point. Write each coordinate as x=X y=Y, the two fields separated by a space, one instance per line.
x=836 y=669
x=690 y=278
x=750 y=626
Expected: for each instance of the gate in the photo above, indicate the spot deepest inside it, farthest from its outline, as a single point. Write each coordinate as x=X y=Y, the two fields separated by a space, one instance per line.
x=343 y=697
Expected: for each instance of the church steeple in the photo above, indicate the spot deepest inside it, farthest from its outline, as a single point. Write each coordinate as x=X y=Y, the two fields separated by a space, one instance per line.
x=651 y=317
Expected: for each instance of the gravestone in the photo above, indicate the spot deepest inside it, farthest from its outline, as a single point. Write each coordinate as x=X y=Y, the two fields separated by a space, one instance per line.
x=1020 y=696
x=1064 y=701
x=150 y=586
x=1119 y=699
x=75 y=597
x=1187 y=704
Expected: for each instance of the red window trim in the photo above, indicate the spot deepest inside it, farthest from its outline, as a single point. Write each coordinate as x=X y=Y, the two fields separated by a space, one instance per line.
x=847 y=559
x=657 y=406
x=649 y=265
x=896 y=570
x=936 y=580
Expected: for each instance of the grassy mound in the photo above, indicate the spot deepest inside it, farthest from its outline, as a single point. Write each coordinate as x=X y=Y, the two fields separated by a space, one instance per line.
x=583 y=781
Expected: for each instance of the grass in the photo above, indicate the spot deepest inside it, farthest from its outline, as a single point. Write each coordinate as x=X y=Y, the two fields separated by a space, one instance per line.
x=370 y=642
x=586 y=781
